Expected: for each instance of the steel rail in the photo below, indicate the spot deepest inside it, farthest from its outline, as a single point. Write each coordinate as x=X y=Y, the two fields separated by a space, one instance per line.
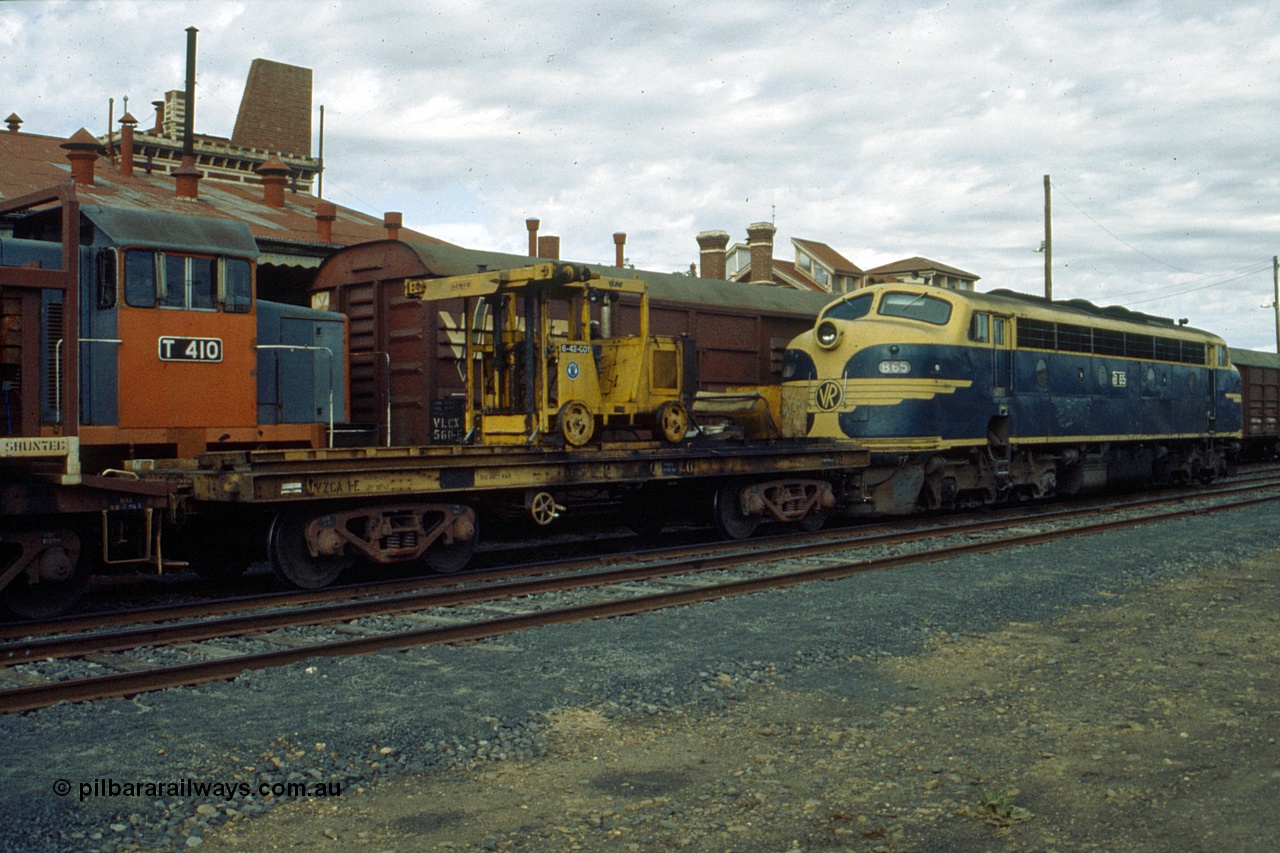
x=883 y=533
x=557 y=577
x=123 y=684
x=418 y=599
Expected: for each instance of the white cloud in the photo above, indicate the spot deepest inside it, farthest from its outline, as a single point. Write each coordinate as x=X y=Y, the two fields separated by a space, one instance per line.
x=884 y=129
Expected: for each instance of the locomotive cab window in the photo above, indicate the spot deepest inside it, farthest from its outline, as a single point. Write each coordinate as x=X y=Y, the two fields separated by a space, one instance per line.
x=986 y=329
x=849 y=309
x=190 y=282
x=916 y=306
x=980 y=328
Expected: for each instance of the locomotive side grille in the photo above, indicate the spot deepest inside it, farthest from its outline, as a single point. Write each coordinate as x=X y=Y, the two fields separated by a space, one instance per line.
x=52 y=334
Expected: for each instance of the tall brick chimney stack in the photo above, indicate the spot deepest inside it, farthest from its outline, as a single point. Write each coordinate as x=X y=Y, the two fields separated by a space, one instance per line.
x=326 y=213
x=127 y=124
x=82 y=151
x=393 y=222
x=619 y=244
x=275 y=174
x=549 y=247
x=760 y=242
x=158 y=130
x=711 y=249
x=532 y=225
x=275 y=110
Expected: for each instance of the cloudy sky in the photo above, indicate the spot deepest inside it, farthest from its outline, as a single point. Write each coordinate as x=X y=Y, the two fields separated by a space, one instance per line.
x=885 y=129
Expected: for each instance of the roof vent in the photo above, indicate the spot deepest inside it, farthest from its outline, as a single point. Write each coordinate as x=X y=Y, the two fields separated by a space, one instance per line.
x=275 y=174
x=14 y=122
x=82 y=151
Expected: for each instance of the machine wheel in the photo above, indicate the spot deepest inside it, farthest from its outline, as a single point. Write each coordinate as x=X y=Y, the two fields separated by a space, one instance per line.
x=49 y=597
x=673 y=422
x=292 y=561
x=576 y=423
x=814 y=520
x=447 y=559
x=729 y=518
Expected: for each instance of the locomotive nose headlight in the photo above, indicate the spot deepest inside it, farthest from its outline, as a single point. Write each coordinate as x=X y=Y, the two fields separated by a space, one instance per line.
x=828 y=334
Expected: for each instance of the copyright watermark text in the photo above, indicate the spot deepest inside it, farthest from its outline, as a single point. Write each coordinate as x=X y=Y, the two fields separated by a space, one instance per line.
x=223 y=790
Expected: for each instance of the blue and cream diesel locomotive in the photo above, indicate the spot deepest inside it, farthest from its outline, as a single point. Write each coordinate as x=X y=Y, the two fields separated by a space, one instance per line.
x=969 y=398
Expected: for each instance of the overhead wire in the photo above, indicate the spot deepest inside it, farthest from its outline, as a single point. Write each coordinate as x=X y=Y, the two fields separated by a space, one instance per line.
x=1233 y=276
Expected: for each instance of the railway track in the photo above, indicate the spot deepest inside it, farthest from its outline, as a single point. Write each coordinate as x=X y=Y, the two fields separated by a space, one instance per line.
x=493 y=603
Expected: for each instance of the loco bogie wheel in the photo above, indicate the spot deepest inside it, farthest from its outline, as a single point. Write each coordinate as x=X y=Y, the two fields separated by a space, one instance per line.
x=814 y=519
x=291 y=561
x=447 y=559
x=673 y=422
x=49 y=598
x=576 y=423
x=729 y=518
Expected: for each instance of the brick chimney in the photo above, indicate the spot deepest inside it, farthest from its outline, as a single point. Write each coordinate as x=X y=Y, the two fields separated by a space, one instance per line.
x=619 y=243
x=393 y=222
x=275 y=174
x=532 y=225
x=127 y=124
x=760 y=242
x=82 y=151
x=711 y=249
x=158 y=130
x=549 y=248
x=326 y=213
x=187 y=178
x=14 y=121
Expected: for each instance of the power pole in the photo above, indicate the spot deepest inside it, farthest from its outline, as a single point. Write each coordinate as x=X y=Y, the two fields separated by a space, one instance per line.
x=1275 y=283
x=1048 y=244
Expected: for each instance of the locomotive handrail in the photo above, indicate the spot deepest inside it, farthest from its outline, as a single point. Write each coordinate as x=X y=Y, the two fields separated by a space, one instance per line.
x=311 y=348
x=57 y=371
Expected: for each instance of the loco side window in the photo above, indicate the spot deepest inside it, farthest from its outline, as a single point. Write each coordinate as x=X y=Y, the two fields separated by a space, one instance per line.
x=912 y=306
x=849 y=309
x=140 y=279
x=980 y=328
x=236 y=288
x=997 y=331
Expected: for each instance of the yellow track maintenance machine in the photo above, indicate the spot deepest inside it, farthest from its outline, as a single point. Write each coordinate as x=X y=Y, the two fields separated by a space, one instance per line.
x=538 y=370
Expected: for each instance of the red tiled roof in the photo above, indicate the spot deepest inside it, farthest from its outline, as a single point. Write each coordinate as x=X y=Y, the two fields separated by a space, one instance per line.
x=30 y=162
x=919 y=264
x=828 y=256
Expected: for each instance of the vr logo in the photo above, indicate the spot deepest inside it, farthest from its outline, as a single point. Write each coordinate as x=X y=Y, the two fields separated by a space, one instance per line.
x=828 y=396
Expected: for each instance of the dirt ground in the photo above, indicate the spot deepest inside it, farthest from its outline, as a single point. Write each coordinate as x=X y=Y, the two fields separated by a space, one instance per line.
x=1148 y=724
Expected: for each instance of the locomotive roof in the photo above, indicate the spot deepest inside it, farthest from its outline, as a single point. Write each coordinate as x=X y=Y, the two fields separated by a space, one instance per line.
x=1070 y=310
x=131 y=227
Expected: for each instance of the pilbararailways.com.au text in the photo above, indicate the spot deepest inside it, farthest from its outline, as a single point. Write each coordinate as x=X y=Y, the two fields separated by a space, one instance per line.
x=224 y=790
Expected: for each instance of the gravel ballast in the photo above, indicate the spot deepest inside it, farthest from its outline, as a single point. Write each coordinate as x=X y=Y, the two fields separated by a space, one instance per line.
x=349 y=724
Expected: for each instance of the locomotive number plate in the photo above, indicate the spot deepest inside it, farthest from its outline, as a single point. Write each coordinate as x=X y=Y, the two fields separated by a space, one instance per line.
x=190 y=349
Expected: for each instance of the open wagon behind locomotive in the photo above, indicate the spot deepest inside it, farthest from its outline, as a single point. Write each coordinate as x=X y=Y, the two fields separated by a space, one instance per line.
x=406 y=355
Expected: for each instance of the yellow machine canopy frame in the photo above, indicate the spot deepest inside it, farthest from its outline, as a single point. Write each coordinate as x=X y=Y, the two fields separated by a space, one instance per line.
x=539 y=370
